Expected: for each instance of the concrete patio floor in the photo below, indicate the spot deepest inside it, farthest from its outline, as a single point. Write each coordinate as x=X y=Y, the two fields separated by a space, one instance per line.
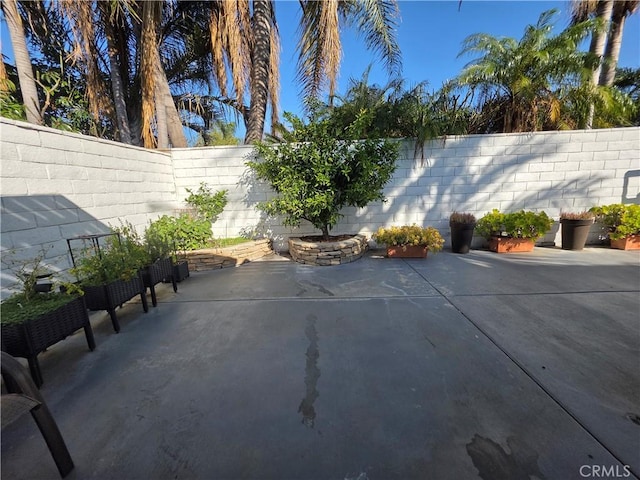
x=456 y=367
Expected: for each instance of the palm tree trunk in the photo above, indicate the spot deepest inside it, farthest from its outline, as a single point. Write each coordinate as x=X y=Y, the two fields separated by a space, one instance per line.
x=173 y=121
x=260 y=64
x=161 y=113
x=614 y=41
x=597 y=47
x=23 y=62
x=117 y=86
x=599 y=38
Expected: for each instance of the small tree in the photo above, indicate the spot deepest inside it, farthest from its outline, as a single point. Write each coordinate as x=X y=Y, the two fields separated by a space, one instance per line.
x=315 y=175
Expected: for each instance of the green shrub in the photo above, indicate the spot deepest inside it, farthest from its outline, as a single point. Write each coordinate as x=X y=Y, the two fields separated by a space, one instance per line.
x=621 y=220
x=185 y=232
x=522 y=224
x=315 y=175
x=208 y=205
x=410 y=235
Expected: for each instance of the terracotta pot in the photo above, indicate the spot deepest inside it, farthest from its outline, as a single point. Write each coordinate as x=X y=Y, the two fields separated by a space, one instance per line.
x=575 y=233
x=511 y=245
x=407 y=251
x=632 y=242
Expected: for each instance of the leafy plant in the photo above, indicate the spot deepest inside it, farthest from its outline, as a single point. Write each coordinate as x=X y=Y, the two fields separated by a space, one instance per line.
x=410 y=235
x=463 y=218
x=185 y=232
x=621 y=220
x=315 y=175
x=208 y=205
x=120 y=258
x=522 y=224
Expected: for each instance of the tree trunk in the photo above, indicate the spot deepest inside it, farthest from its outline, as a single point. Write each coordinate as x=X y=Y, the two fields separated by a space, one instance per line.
x=117 y=86
x=161 y=112
x=614 y=41
x=325 y=233
x=260 y=61
x=23 y=62
x=597 y=46
x=599 y=38
x=177 y=137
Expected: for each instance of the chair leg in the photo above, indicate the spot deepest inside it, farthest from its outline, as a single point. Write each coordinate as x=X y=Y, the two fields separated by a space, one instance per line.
x=53 y=437
x=34 y=368
x=88 y=333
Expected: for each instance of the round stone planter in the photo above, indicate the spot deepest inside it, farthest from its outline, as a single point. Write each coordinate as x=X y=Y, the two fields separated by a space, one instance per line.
x=312 y=251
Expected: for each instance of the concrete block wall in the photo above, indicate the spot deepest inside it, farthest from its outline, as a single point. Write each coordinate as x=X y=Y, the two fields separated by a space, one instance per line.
x=56 y=185
x=545 y=171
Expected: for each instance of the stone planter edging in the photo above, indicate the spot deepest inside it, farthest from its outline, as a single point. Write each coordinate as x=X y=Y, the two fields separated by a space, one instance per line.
x=328 y=253
x=212 y=258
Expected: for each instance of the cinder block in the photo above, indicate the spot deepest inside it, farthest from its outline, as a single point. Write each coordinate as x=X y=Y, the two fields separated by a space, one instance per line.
x=17 y=221
x=595 y=146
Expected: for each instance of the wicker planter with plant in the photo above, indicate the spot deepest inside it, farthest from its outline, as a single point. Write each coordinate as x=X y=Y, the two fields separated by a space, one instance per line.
x=575 y=229
x=462 y=226
x=110 y=275
x=33 y=320
x=409 y=241
x=513 y=232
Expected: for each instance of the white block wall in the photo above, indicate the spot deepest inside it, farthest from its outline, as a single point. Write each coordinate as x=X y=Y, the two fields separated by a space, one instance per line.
x=550 y=171
x=56 y=185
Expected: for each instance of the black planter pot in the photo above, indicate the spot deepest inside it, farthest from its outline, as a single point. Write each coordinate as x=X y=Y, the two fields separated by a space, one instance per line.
x=157 y=272
x=461 y=237
x=111 y=295
x=34 y=336
x=575 y=233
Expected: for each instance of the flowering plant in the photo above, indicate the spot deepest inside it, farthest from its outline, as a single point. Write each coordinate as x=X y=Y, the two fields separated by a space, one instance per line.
x=410 y=235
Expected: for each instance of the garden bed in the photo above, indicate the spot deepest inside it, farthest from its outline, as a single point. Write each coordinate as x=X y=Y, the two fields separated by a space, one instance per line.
x=212 y=258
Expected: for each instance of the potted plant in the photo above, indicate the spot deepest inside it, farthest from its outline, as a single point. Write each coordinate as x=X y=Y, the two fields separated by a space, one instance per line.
x=622 y=223
x=35 y=318
x=462 y=226
x=182 y=233
x=513 y=232
x=154 y=255
x=110 y=274
x=575 y=229
x=314 y=174
x=409 y=241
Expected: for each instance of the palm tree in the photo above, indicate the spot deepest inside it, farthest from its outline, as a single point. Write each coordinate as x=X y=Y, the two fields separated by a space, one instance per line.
x=606 y=40
x=319 y=48
x=526 y=77
x=23 y=62
x=621 y=10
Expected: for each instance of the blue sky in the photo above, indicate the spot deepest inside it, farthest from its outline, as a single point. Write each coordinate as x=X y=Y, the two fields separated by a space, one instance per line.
x=430 y=34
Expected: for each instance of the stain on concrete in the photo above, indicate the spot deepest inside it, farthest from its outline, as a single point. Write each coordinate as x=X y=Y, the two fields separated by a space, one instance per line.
x=312 y=374
x=494 y=463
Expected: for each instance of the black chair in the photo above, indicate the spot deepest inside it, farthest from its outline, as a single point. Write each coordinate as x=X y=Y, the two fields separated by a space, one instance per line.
x=22 y=397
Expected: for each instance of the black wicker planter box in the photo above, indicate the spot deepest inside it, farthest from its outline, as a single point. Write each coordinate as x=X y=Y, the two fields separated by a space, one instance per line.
x=181 y=270
x=32 y=337
x=111 y=295
x=155 y=273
